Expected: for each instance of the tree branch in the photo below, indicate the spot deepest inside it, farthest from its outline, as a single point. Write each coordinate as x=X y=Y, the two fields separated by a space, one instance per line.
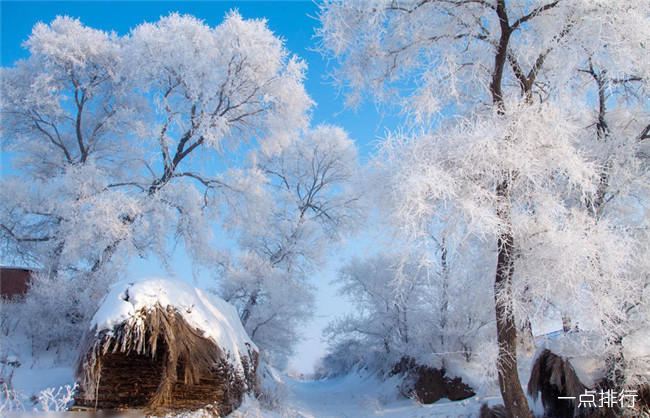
x=23 y=239
x=534 y=13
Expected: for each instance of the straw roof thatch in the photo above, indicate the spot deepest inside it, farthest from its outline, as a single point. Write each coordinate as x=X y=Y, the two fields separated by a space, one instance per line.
x=568 y=364
x=152 y=355
x=554 y=377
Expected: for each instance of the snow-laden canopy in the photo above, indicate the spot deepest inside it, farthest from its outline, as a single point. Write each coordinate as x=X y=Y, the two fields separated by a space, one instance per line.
x=216 y=319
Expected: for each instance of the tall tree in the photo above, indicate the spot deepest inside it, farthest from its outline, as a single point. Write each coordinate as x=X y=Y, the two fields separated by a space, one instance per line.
x=126 y=142
x=314 y=205
x=78 y=111
x=507 y=70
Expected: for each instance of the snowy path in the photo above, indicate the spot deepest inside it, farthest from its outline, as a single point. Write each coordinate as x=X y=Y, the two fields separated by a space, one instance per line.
x=354 y=396
x=325 y=399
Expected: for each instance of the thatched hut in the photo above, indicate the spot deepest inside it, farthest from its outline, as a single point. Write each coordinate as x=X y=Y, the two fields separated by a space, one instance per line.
x=562 y=372
x=161 y=344
x=563 y=369
x=556 y=380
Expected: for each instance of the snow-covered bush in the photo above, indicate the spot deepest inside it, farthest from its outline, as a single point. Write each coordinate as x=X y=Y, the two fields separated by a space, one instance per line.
x=271 y=391
x=48 y=400
x=53 y=399
x=11 y=400
x=396 y=298
x=56 y=312
x=341 y=358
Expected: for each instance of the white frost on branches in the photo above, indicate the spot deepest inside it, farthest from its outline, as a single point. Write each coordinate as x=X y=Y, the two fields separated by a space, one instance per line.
x=124 y=144
x=526 y=124
x=316 y=203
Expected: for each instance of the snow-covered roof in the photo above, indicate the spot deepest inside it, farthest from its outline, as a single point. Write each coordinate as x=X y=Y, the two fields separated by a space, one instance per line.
x=217 y=319
x=578 y=348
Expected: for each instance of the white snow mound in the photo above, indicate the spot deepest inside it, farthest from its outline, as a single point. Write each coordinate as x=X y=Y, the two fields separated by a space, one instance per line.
x=217 y=319
x=580 y=349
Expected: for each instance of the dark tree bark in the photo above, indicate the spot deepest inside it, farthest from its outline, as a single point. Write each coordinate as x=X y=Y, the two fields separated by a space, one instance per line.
x=514 y=398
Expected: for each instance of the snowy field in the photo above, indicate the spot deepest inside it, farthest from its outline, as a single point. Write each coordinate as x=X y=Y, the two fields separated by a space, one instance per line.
x=350 y=396
x=43 y=380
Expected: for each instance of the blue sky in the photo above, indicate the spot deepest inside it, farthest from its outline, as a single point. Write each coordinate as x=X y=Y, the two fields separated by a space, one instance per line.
x=295 y=22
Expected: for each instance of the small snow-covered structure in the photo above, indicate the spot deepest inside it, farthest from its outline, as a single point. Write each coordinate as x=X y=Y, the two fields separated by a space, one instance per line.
x=568 y=364
x=161 y=344
x=562 y=369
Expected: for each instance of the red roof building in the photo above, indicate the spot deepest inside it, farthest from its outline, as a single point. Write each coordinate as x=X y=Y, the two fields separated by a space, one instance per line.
x=14 y=282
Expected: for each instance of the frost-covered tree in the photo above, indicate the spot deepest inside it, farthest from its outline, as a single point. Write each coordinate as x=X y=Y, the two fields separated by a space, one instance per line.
x=314 y=205
x=63 y=115
x=340 y=359
x=271 y=321
x=411 y=306
x=511 y=74
x=618 y=141
x=123 y=143
x=386 y=314
x=66 y=119
x=459 y=276
x=77 y=114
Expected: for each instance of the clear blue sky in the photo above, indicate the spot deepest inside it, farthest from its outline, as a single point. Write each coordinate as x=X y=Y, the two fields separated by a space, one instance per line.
x=294 y=21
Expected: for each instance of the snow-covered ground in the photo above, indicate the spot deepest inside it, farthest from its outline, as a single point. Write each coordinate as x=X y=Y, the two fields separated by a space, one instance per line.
x=33 y=383
x=358 y=394
x=361 y=395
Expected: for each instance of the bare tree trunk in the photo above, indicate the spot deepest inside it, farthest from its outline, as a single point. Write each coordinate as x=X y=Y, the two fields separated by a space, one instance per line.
x=526 y=340
x=248 y=309
x=444 y=308
x=514 y=398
